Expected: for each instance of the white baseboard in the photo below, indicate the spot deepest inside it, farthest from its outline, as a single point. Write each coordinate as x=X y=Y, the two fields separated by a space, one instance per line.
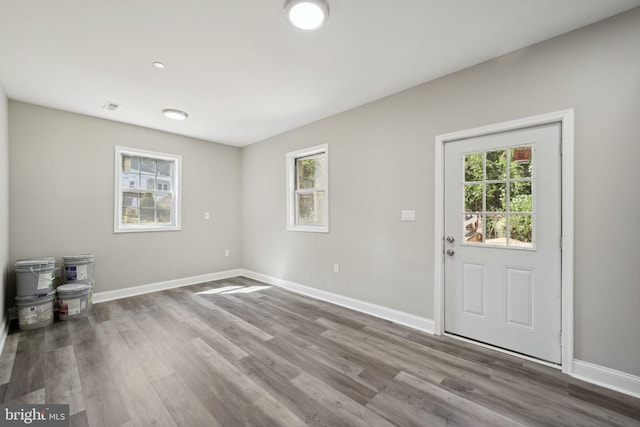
x=607 y=377
x=400 y=317
x=99 y=297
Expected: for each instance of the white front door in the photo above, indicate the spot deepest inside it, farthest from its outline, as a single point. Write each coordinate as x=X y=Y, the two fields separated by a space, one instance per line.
x=502 y=246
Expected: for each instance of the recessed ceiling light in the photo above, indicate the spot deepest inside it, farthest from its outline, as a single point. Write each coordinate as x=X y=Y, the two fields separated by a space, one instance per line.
x=174 y=114
x=158 y=65
x=307 y=15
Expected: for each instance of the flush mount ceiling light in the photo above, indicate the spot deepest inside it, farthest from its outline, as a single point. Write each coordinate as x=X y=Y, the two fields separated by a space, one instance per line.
x=158 y=65
x=174 y=114
x=307 y=15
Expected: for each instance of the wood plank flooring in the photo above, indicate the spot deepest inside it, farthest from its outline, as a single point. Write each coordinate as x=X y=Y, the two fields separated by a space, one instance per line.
x=239 y=353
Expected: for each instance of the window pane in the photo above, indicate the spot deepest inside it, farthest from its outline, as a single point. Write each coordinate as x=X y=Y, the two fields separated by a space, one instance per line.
x=305 y=208
x=130 y=200
x=520 y=197
x=130 y=180
x=163 y=184
x=147 y=215
x=473 y=198
x=320 y=216
x=496 y=230
x=496 y=165
x=163 y=200
x=311 y=208
x=473 y=167
x=130 y=215
x=521 y=162
x=163 y=216
x=473 y=228
x=521 y=233
x=148 y=165
x=164 y=167
x=310 y=172
x=148 y=182
x=496 y=197
x=130 y=163
x=147 y=201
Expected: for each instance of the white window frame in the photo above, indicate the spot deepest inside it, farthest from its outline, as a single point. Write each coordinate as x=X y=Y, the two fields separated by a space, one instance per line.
x=118 y=226
x=292 y=221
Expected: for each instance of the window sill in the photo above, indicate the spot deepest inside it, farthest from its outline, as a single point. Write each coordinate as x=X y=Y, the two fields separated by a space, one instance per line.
x=145 y=229
x=309 y=228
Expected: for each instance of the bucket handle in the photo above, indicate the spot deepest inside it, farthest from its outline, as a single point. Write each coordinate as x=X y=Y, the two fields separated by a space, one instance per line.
x=31 y=269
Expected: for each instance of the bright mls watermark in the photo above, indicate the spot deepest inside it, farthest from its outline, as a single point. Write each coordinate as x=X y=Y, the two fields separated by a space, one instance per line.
x=34 y=415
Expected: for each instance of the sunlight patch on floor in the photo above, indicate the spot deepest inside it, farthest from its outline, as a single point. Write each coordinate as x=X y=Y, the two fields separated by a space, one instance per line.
x=233 y=290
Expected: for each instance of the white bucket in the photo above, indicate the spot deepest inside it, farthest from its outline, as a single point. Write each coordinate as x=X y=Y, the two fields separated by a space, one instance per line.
x=34 y=276
x=73 y=299
x=92 y=285
x=35 y=311
x=78 y=267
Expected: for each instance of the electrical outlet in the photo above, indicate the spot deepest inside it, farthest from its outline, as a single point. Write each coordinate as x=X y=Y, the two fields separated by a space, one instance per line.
x=336 y=268
x=227 y=252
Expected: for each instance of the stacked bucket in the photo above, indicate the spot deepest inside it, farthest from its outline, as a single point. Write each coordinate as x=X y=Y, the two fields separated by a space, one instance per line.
x=35 y=293
x=75 y=298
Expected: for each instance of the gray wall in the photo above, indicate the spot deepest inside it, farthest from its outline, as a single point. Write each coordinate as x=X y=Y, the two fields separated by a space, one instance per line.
x=381 y=161
x=62 y=198
x=4 y=198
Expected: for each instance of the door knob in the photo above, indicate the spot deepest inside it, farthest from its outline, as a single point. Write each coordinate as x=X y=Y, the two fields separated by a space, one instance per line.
x=450 y=239
x=450 y=252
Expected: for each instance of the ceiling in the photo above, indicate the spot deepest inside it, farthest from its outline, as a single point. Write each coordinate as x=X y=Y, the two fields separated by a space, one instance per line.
x=237 y=67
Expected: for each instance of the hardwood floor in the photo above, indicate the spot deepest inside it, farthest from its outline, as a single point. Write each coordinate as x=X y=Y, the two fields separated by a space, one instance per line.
x=244 y=354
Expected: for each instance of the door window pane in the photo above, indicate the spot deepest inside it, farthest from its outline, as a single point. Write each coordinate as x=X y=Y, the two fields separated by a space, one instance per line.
x=498 y=189
x=473 y=198
x=520 y=197
x=496 y=197
x=473 y=228
x=521 y=230
x=496 y=165
x=521 y=165
x=473 y=167
x=496 y=229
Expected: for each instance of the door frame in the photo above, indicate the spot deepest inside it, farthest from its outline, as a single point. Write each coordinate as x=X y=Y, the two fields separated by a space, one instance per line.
x=566 y=120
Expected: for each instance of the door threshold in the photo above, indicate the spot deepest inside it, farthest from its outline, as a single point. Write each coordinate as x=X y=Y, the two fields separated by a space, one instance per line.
x=505 y=351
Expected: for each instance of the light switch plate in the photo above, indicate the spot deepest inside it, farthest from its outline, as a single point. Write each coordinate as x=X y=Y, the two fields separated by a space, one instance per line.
x=409 y=215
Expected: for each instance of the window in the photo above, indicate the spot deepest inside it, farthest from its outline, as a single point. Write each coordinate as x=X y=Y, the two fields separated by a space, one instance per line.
x=498 y=197
x=147 y=191
x=308 y=189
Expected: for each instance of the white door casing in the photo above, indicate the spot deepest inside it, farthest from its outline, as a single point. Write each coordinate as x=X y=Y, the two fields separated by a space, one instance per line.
x=566 y=119
x=503 y=257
